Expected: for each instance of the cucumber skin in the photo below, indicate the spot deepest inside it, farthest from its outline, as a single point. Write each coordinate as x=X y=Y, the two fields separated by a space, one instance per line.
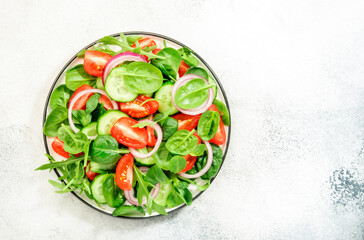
x=161 y=108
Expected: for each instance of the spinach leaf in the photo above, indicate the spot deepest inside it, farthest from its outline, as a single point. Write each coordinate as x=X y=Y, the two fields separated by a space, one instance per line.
x=77 y=76
x=162 y=157
x=54 y=120
x=73 y=142
x=98 y=112
x=60 y=97
x=180 y=194
x=164 y=190
x=103 y=168
x=208 y=125
x=156 y=175
x=169 y=127
x=198 y=71
x=142 y=77
x=182 y=142
x=199 y=150
x=81 y=54
x=92 y=103
x=105 y=150
x=129 y=211
x=224 y=113
x=170 y=64
x=82 y=117
x=193 y=94
x=112 y=192
x=216 y=162
x=188 y=57
x=177 y=164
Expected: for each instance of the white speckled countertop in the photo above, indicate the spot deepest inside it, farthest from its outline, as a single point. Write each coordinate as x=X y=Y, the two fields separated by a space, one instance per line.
x=293 y=71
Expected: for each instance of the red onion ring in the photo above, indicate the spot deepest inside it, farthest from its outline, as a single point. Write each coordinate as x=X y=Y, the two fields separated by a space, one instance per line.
x=129 y=195
x=119 y=59
x=80 y=94
x=205 y=168
x=158 y=129
x=195 y=111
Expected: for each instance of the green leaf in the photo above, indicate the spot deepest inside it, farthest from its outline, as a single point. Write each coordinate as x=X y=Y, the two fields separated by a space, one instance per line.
x=54 y=120
x=208 y=125
x=188 y=57
x=170 y=64
x=105 y=150
x=142 y=77
x=158 y=208
x=60 y=97
x=131 y=39
x=82 y=117
x=128 y=211
x=177 y=164
x=143 y=124
x=182 y=142
x=198 y=71
x=92 y=103
x=73 y=142
x=169 y=127
x=216 y=162
x=58 y=164
x=199 y=150
x=193 y=94
x=224 y=113
x=77 y=76
x=112 y=192
x=156 y=175
x=81 y=54
x=162 y=157
x=142 y=185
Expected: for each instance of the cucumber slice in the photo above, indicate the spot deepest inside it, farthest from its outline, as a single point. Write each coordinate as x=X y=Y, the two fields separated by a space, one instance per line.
x=99 y=84
x=90 y=130
x=96 y=188
x=107 y=120
x=165 y=97
x=164 y=191
x=102 y=168
x=115 y=86
x=145 y=161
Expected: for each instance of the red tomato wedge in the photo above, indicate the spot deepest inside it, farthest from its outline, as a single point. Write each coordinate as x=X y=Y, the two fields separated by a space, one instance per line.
x=57 y=146
x=124 y=172
x=145 y=42
x=94 y=62
x=107 y=103
x=191 y=160
x=220 y=135
x=183 y=68
x=81 y=102
x=125 y=134
x=90 y=174
x=152 y=140
x=136 y=110
x=187 y=122
x=156 y=51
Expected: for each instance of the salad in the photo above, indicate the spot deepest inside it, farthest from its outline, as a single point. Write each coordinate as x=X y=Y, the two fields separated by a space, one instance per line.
x=137 y=126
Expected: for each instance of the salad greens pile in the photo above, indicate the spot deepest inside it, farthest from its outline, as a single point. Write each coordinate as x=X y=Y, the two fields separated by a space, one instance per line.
x=132 y=147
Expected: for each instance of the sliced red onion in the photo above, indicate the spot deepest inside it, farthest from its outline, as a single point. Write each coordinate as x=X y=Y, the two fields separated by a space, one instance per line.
x=158 y=129
x=129 y=195
x=119 y=59
x=80 y=94
x=205 y=168
x=194 y=111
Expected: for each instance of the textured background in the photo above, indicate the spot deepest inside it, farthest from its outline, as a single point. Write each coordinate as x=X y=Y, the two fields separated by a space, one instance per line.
x=293 y=71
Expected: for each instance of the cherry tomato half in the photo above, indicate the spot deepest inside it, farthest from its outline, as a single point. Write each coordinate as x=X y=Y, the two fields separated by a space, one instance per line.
x=156 y=51
x=124 y=172
x=58 y=147
x=90 y=174
x=145 y=42
x=136 y=110
x=81 y=102
x=191 y=160
x=152 y=140
x=183 y=68
x=95 y=61
x=187 y=122
x=125 y=134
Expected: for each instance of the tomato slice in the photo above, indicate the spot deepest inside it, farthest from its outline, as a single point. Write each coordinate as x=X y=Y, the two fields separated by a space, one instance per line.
x=81 y=102
x=156 y=51
x=95 y=61
x=107 y=103
x=191 y=160
x=124 y=172
x=152 y=140
x=58 y=147
x=145 y=42
x=183 y=68
x=90 y=174
x=136 y=110
x=220 y=135
x=125 y=134
x=187 y=122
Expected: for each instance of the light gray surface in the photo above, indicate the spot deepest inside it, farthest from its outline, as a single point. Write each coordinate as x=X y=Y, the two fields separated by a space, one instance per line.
x=293 y=71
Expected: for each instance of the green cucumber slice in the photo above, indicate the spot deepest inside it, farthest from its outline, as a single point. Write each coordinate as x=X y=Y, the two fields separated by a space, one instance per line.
x=115 y=86
x=107 y=120
x=90 y=130
x=99 y=84
x=164 y=95
x=145 y=161
x=96 y=188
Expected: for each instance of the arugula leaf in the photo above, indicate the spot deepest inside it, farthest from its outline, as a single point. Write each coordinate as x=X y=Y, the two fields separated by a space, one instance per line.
x=187 y=56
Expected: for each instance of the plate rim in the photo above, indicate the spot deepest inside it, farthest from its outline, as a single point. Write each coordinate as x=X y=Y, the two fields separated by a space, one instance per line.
x=137 y=33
